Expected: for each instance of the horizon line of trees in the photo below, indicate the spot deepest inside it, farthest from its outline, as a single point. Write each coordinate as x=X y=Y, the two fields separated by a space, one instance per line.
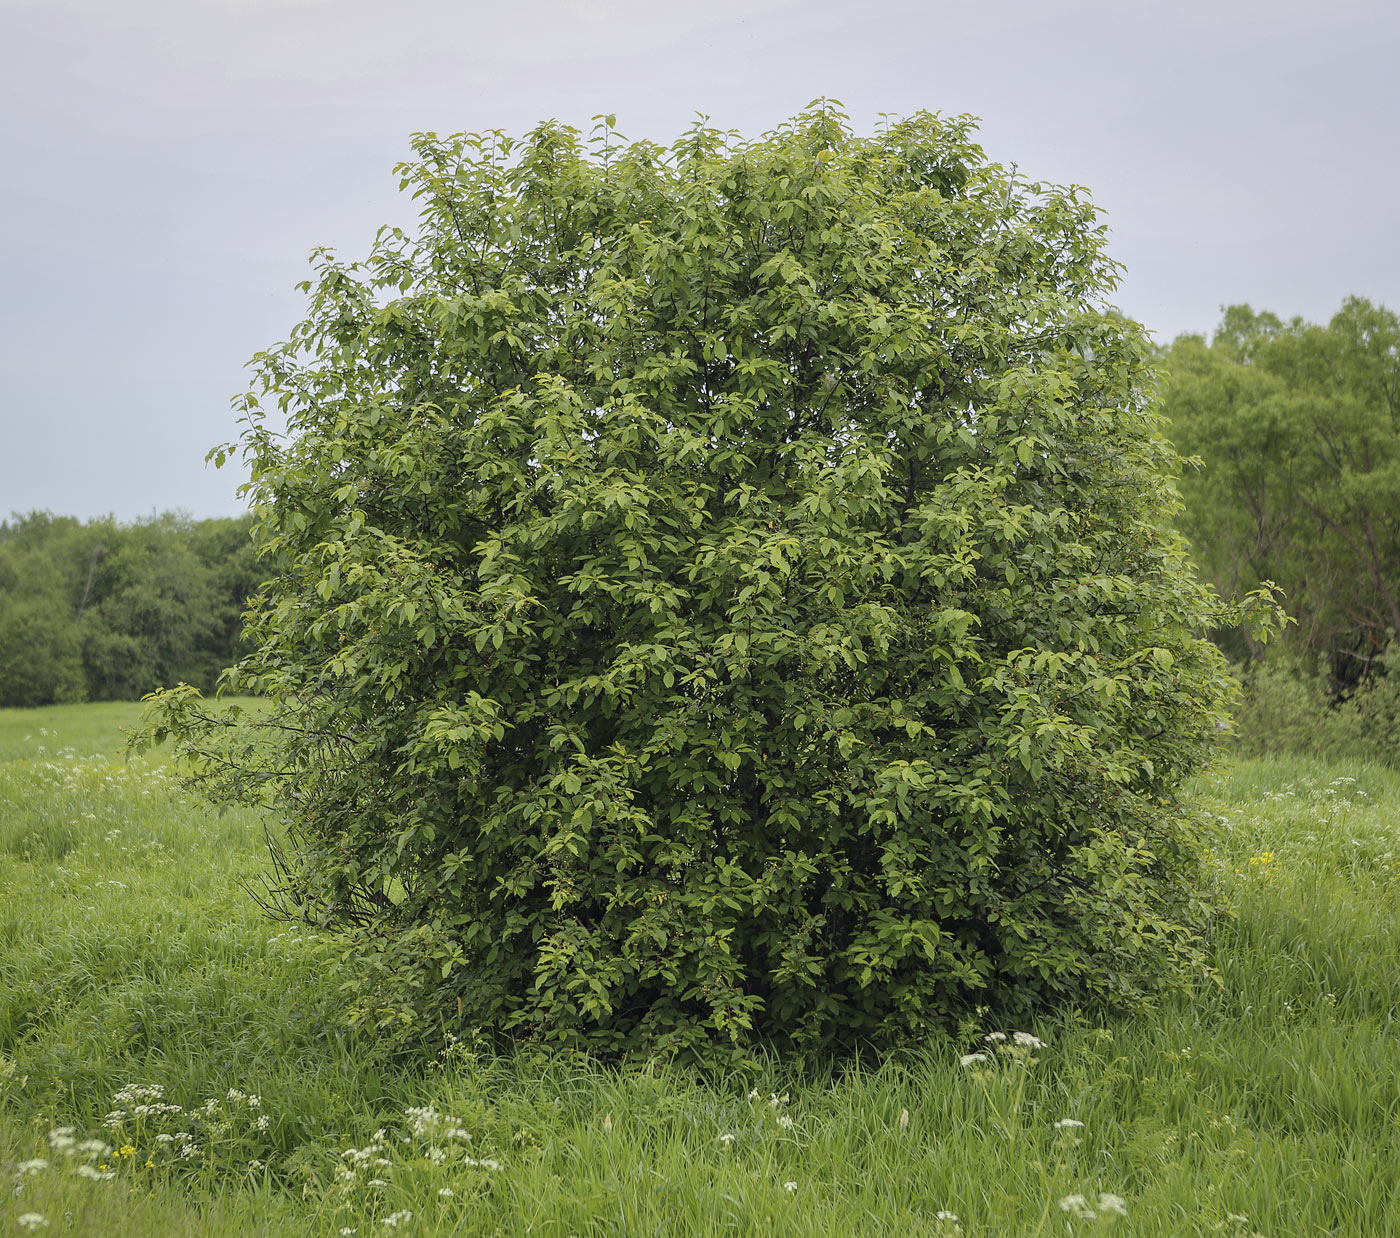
x=103 y=610
x=1291 y=432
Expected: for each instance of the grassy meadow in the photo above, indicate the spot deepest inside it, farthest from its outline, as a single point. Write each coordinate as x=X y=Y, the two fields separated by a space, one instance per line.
x=172 y=1062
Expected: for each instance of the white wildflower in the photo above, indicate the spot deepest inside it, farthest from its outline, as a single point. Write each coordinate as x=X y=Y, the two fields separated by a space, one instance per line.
x=1026 y=1040
x=785 y=1122
x=97 y=1175
x=446 y=1192
x=95 y=1147
x=1113 y=1203
x=789 y=1187
x=36 y=1166
x=1065 y=1124
x=377 y=1182
x=254 y=1165
x=134 y=1092
x=31 y=1220
x=944 y=1215
x=346 y=1231
x=488 y=1163
x=262 y=1122
x=972 y=1059
x=1078 y=1206
x=727 y=1138
x=753 y=1093
x=395 y=1219
x=993 y=1037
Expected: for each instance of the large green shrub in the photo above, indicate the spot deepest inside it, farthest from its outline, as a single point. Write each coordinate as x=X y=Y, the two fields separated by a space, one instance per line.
x=727 y=592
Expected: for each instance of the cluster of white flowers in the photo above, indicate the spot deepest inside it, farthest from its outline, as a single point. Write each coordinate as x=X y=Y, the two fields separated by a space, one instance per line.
x=1108 y=1205
x=141 y=1118
x=97 y=1175
x=64 y=1141
x=359 y=1158
x=1016 y=1048
x=31 y=1220
x=428 y=1124
x=488 y=1162
x=429 y=1135
x=138 y=1100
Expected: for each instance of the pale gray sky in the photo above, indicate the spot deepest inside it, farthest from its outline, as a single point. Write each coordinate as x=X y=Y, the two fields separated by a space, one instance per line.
x=169 y=164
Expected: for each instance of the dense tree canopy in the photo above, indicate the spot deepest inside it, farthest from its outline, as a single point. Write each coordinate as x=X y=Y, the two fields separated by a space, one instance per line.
x=106 y=611
x=1298 y=429
x=726 y=591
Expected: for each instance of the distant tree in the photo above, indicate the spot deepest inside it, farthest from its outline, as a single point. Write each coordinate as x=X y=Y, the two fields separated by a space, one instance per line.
x=40 y=651
x=234 y=575
x=112 y=611
x=1298 y=428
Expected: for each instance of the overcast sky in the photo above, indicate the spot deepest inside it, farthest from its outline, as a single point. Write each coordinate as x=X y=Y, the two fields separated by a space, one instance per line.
x=169 y=164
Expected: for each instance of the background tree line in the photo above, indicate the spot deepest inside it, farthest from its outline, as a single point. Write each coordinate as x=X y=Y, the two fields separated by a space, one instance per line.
x=108 y=611
x=1296 y=427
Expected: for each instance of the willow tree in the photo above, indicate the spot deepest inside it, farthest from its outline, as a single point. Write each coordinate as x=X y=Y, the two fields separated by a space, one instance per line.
x=725 y=593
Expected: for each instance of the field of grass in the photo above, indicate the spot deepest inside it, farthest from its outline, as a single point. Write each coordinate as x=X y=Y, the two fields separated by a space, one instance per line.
x=172 y=1062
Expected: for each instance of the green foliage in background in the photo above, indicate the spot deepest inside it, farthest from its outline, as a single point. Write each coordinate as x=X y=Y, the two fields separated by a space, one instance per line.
x=1287 y=708
x=727 y=594
x=106 y=611
x=1298 y=428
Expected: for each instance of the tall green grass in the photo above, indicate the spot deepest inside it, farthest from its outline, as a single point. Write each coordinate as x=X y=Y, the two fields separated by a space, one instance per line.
x=1266 y=1103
